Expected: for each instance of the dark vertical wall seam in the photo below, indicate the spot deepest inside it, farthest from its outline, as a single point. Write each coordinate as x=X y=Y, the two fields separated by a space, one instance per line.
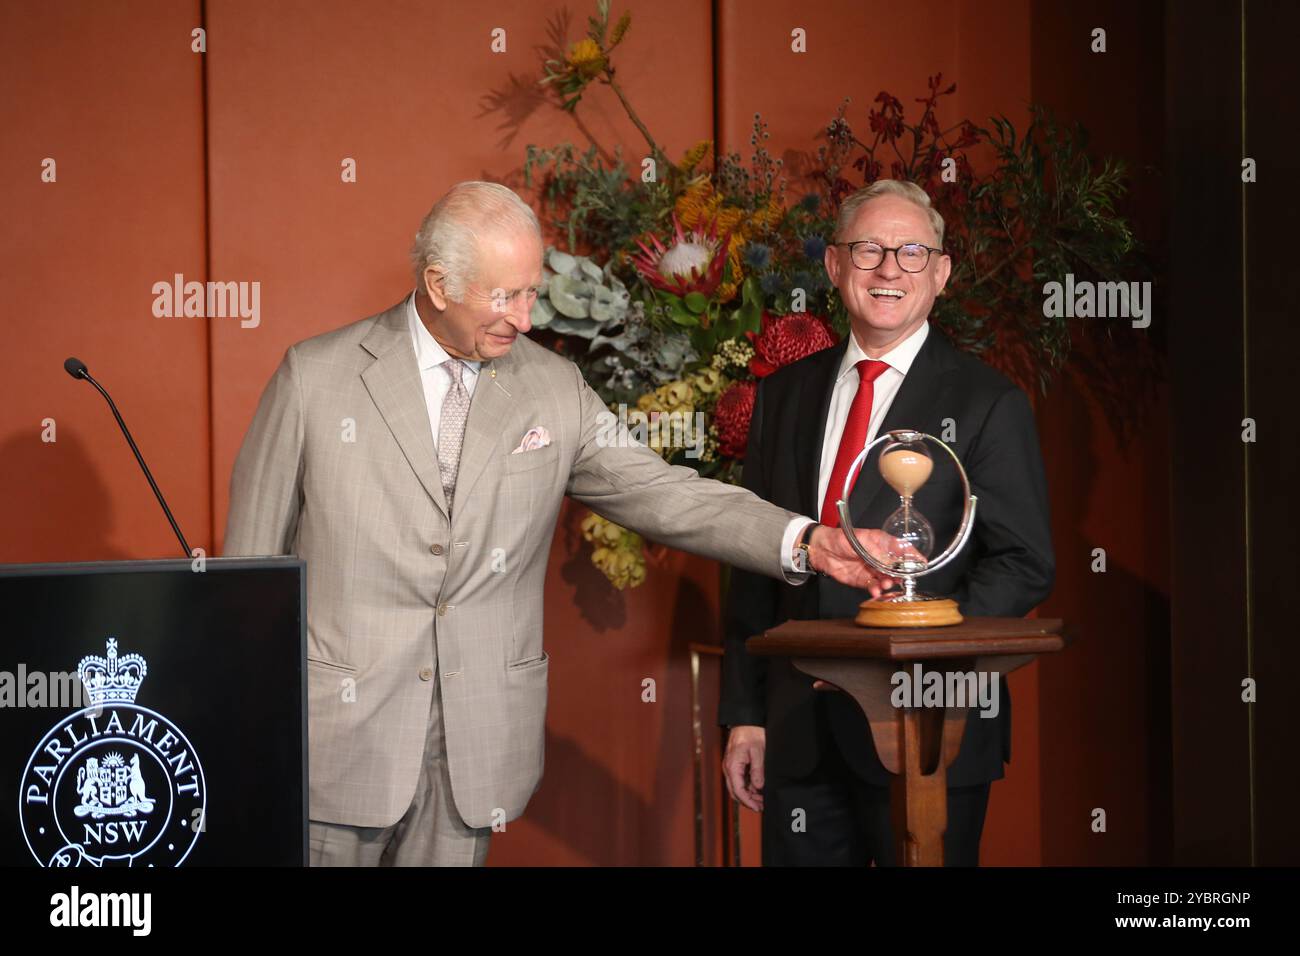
x=1245 y=456
x=207 y=275
x=714 y=97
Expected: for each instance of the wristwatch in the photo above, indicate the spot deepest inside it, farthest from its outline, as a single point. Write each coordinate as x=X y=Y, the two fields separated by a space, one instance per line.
x=800 y=557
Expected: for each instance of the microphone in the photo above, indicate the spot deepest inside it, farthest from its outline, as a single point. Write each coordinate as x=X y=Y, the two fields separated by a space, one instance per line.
x=77 y=369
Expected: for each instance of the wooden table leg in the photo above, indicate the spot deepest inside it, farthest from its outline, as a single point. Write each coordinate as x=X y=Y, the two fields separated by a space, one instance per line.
x=914 y=744
x=919 y=795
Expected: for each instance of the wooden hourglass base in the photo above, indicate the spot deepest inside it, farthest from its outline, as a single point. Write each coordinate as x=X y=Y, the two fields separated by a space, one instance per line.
x=891 y=612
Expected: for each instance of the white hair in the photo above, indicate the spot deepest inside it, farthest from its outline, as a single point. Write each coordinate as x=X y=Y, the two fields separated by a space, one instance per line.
x=887 y=187
x=449 y=235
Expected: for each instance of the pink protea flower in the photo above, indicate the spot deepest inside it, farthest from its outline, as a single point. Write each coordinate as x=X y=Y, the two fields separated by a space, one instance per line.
x=694 y=261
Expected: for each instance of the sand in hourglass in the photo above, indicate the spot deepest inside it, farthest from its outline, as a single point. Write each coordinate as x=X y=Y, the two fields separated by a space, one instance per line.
x=905 y=470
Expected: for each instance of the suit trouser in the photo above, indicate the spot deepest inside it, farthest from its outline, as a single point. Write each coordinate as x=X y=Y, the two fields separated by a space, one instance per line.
x=430 y=833
x=846 y=820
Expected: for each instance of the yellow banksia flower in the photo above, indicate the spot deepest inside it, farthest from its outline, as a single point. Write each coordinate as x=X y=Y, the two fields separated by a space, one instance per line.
x=707 y=381
x=618 y=554
x=602 y=532
x=700 y=203
x=586 y=58
x=590 y=524
x=677 y=396
x=695 y=154
x=691 y=205
x=620 y=29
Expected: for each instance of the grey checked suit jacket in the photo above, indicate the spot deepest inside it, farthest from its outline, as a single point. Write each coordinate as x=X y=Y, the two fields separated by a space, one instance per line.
x=395 y=586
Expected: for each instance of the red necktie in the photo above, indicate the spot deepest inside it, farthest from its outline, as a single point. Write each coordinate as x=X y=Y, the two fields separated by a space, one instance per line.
x=854 y=437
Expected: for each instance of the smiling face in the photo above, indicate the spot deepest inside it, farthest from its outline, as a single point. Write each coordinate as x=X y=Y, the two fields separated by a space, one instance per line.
x=496 y=304
x=886 y=304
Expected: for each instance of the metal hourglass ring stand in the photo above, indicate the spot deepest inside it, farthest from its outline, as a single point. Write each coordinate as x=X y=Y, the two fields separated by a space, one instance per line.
x=905 y=474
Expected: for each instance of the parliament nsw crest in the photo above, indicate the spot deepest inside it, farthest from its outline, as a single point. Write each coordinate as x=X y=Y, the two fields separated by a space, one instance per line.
x=113 y=784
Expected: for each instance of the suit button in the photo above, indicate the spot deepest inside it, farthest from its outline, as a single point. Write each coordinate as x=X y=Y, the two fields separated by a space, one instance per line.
x=442 y=610
x=426 y=673
x=436 y=548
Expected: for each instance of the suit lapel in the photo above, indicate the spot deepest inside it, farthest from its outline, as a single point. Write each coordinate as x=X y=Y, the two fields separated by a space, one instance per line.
x=393 y=381
x=814 y=404
x=913 y=406
x=493 y=399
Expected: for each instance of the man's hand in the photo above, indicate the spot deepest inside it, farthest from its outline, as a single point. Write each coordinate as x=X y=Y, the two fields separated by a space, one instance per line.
x=742 y=765
x=829 y=552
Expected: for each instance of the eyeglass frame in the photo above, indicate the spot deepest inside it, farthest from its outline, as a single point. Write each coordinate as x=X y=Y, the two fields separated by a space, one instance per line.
x=929 y=251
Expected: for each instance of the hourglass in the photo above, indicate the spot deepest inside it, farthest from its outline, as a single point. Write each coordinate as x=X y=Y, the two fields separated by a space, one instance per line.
x=905 y=465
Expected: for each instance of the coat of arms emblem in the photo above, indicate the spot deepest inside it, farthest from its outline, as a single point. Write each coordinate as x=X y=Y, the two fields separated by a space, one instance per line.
x=113 y=784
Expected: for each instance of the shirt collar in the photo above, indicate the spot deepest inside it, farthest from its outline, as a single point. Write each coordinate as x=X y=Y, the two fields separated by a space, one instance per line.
x=428 y=353
x=900 y=357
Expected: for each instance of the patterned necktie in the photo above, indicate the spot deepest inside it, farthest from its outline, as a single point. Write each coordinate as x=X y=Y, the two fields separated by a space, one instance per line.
x=451 y=427
x=853 y=439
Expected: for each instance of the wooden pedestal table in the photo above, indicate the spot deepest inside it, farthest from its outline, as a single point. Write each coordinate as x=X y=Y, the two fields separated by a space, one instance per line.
x=916 y=744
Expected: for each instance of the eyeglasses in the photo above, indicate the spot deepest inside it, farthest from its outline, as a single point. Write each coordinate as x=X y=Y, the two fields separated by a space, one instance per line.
x=501 y=300
x=913 y=257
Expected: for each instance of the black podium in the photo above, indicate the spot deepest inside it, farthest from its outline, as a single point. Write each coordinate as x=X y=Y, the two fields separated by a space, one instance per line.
x=153 y=714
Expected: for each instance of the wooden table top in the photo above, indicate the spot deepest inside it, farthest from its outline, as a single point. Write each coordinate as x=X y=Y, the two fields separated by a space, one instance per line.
x=972 y=637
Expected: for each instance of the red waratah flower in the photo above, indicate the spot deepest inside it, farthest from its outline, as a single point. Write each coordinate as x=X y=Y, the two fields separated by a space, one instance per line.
x=693 y=262
x=731 y=418
x=787 y=339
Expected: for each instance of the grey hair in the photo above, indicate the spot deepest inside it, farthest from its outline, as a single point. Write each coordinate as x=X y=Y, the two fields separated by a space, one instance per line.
x=887 y=187
x=450 y=233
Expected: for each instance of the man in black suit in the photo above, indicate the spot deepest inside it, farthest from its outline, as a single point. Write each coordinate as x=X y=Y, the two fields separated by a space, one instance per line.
x=794 y=748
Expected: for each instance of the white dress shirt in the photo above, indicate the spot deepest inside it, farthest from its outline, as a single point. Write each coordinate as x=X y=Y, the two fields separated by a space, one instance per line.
x=429 y=355
x=899 y=359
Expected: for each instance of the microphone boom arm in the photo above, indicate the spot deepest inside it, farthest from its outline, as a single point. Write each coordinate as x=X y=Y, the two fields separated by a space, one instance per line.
x=78 y=370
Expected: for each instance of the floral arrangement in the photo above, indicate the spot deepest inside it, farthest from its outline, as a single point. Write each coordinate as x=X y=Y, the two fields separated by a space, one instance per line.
x=685 y=282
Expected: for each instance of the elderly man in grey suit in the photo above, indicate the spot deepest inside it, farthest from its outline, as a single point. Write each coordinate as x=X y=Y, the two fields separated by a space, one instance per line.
x=417 y=460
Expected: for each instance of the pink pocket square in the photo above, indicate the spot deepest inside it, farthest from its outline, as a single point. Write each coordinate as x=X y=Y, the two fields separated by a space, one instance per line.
x=536 y=437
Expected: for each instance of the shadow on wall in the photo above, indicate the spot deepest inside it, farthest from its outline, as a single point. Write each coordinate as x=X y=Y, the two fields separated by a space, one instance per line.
x=601 y=605
x=586 y=802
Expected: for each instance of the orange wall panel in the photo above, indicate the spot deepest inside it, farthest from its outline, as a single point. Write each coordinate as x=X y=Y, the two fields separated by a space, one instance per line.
x=112 y=93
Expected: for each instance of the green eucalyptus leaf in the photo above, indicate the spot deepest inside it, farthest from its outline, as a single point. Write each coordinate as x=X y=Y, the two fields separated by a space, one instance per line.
x=561 y=262
x=566 y=294
x=584 y=328
x=541 y=313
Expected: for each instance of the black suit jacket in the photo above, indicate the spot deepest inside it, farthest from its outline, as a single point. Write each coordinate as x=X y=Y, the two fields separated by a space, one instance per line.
x=1006 y=568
